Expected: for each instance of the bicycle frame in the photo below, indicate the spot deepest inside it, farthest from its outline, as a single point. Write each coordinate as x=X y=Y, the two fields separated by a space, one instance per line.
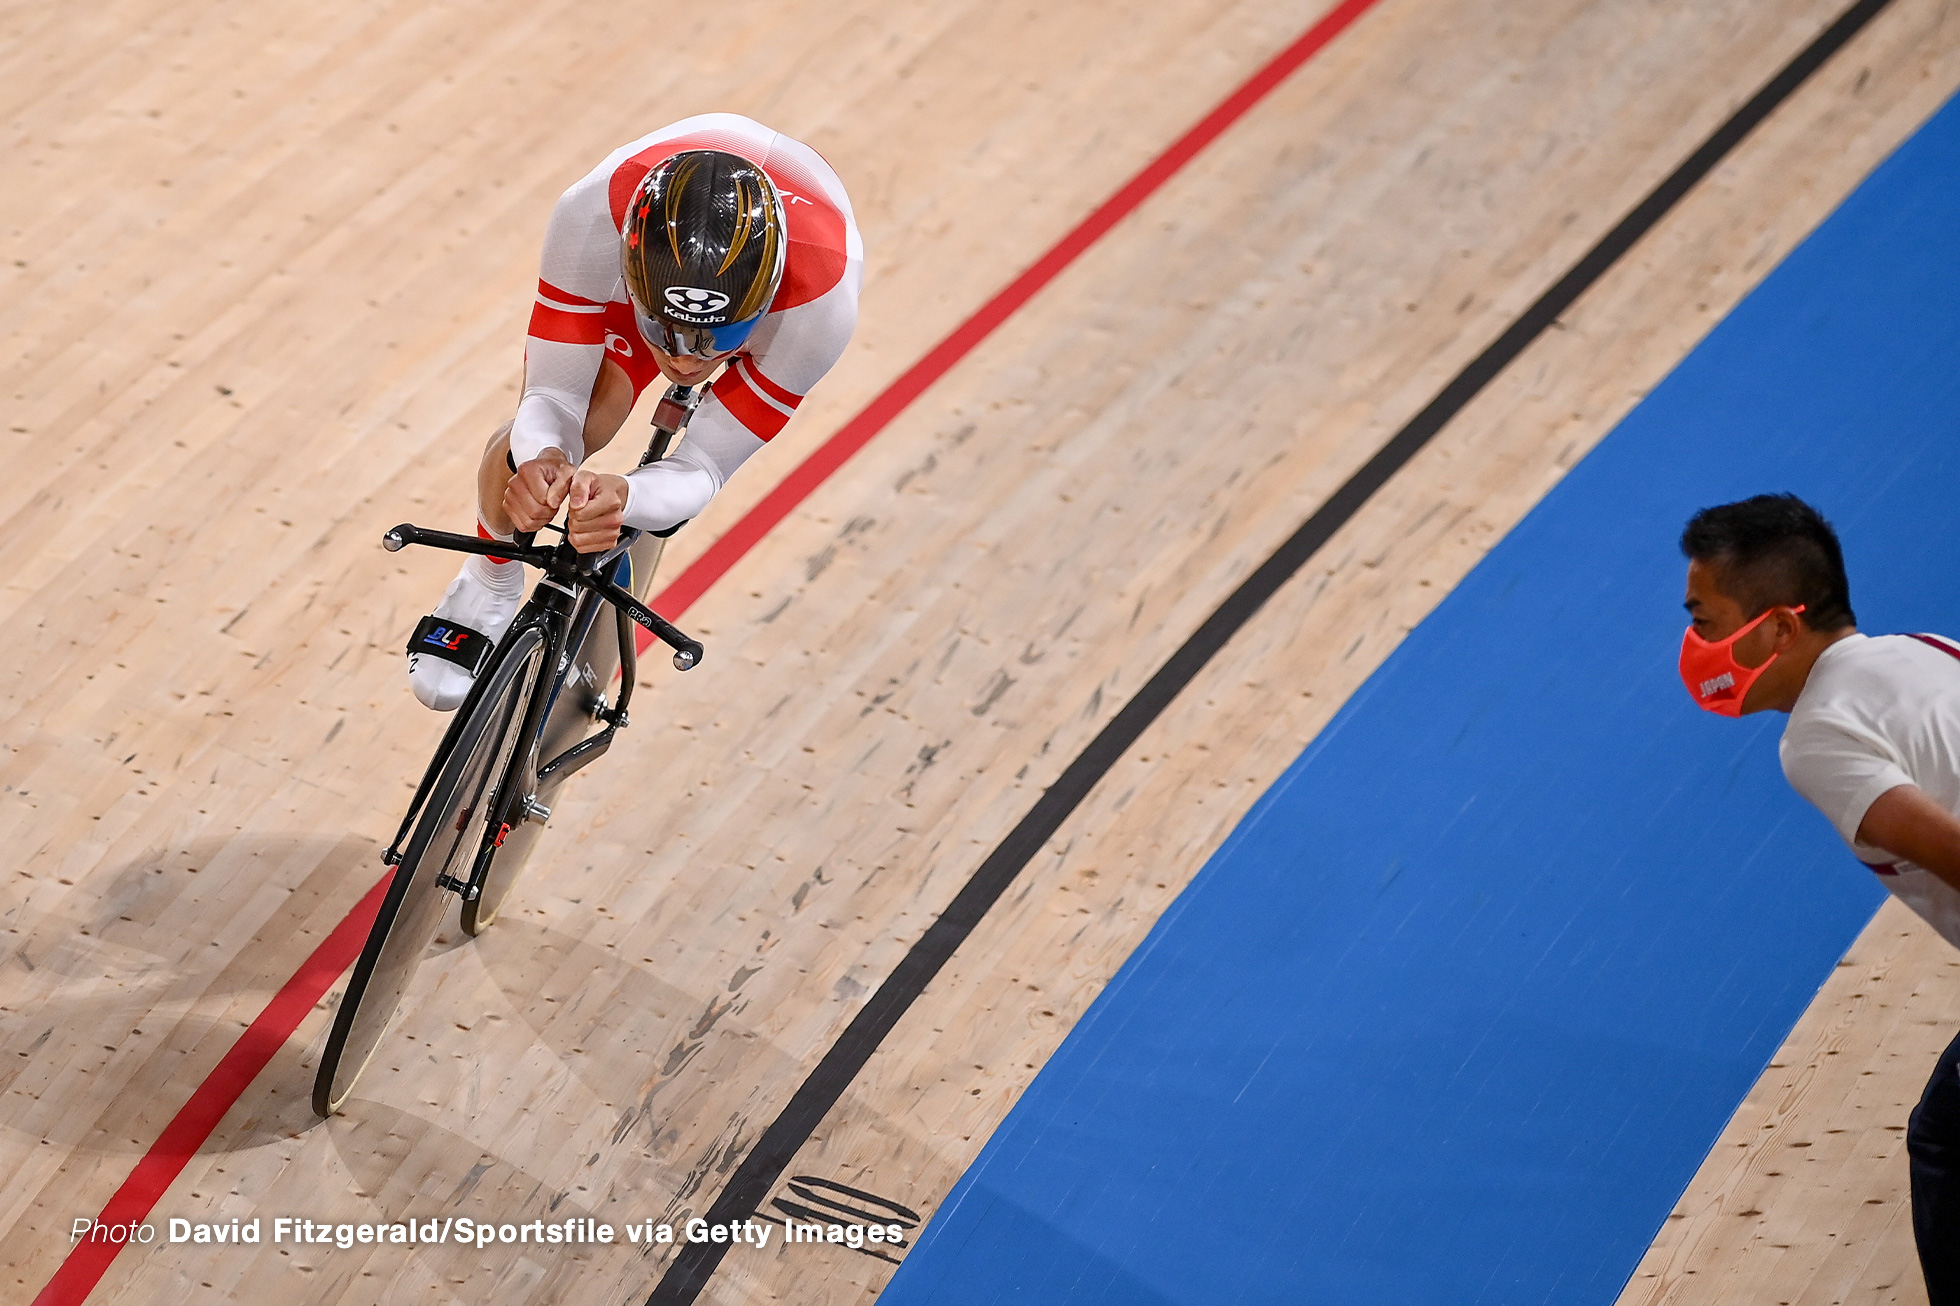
x=569 y=597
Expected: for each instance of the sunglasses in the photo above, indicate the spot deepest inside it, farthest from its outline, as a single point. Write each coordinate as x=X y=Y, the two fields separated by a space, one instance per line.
x=694 y=341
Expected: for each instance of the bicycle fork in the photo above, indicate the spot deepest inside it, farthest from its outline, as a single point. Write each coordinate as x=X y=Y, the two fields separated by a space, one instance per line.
x=513 y=800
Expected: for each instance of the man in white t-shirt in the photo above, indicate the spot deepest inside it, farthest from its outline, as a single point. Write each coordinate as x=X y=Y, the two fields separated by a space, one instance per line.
x=1873 y=742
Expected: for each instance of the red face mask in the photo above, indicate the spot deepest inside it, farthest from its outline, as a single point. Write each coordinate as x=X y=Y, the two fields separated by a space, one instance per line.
x=1715 y=680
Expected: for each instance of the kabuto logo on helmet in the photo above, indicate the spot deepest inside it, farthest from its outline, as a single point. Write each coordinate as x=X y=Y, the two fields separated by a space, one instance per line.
x=693 y=304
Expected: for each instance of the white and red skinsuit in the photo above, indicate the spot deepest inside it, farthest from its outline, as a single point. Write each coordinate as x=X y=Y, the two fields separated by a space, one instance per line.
x=582 y=316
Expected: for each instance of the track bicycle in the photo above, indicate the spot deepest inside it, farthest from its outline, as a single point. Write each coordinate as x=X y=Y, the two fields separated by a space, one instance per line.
x=526 y=726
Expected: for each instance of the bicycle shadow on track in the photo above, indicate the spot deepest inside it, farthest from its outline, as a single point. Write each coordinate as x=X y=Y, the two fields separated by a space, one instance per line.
x=633 y=1038
x=404 y=1162
x=127 y=996
x=144 y=1008
x=627 y=1035
x=622 y=1033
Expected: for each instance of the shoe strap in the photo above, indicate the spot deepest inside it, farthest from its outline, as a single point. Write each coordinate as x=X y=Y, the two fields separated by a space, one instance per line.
x=439 y=637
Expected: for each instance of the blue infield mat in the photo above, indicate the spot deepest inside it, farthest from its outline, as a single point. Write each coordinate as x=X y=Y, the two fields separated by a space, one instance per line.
x=1457 y=1011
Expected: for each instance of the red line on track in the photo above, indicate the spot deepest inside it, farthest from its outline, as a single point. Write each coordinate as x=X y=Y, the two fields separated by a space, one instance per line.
x=833 y=453
x=192 y=1125
x=88 y=1261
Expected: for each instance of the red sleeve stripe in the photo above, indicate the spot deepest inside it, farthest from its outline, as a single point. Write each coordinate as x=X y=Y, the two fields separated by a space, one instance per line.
x=765 y=385
x=549 y=302
x=564 y=298
x=762 y=418
x=567 y=328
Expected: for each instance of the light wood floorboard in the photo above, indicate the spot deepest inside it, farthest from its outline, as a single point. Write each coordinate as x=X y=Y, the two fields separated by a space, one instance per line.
x=266 y=273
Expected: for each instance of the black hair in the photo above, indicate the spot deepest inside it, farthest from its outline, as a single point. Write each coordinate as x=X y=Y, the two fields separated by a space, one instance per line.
x=1774 y=550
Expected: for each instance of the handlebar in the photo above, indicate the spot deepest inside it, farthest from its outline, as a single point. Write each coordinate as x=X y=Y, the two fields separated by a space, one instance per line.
x=687 y=652
x=562 y=563
x=520 y=548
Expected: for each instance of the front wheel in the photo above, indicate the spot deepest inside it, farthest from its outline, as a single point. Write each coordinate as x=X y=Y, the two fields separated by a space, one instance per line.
x=445 y=842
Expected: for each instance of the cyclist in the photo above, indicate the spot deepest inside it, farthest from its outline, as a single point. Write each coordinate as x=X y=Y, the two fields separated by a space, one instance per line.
x=714 y=243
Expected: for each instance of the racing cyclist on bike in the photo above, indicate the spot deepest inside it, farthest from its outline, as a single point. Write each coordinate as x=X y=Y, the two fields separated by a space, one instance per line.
x=714 y=243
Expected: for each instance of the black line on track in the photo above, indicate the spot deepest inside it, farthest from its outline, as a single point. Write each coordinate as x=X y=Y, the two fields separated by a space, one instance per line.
x=694 y=1263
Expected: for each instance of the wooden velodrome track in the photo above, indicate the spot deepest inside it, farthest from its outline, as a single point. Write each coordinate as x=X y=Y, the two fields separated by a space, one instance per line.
x=266 y=271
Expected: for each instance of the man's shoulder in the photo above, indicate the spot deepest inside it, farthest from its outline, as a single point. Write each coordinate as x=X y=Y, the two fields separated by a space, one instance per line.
x=823 y=235
x=1859 y=665
x=794 y=167
x=1860 y=686
x=1856 y=659
x=702 y=131
x=1839 y=681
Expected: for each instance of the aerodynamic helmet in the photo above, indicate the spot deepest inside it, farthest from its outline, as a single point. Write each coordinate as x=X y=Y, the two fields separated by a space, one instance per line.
x=702 y=249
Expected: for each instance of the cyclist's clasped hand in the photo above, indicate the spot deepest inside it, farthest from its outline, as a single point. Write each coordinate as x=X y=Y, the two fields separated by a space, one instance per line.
x=545 y=483
x=538 y=489
x=598 y=510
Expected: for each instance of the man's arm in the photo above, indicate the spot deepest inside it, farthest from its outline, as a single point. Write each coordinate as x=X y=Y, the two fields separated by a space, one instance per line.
x=564 y=345
x=1909 y=825
x=790 y=352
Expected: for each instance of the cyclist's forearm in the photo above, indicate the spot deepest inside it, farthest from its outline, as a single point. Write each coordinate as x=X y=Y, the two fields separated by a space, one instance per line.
x=670 y=491
x=679 y=486
x=545 y=421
